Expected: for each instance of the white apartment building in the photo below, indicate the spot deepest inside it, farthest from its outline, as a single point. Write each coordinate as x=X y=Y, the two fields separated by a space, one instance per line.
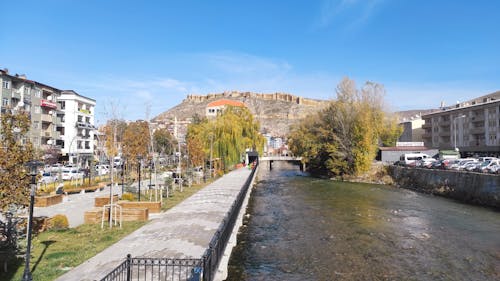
x=472 y=127
x=77 y=114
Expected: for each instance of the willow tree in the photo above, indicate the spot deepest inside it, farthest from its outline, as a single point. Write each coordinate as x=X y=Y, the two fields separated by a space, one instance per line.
x=343 y=138
x=16 y=150
x=227 y=136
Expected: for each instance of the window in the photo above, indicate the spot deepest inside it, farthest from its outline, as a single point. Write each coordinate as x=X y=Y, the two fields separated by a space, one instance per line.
x=5 y=102
x=87 y=145
x=63 y=104
x=36 y=109
x=26 y=90
x=36 y=125
x=38 y=93
x=87 y=120
x=6 y=84
x=80 y=118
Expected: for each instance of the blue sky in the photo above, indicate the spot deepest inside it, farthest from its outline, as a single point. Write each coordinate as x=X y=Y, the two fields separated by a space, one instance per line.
x=151 y=54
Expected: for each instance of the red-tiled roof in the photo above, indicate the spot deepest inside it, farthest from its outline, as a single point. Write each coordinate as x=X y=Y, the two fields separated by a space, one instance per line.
x=225 y=102
x=404 y=148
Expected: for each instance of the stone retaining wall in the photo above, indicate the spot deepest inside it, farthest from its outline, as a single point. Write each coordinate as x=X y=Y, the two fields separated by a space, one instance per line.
x=476 y=188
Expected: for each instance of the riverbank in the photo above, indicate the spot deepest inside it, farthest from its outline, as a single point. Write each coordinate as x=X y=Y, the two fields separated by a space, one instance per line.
x=475 y=188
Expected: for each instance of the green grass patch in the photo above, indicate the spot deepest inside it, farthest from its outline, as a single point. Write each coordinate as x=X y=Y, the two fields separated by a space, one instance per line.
x=56 y=252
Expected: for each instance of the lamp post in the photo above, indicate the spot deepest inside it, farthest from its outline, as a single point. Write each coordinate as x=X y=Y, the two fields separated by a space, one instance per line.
x=139 y=161
x=150 y=170
x=33 y=166
x=455 y=135
x=123 y=173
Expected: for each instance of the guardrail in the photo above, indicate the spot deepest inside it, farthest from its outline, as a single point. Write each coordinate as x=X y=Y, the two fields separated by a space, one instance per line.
x=135 y=269
x=138 y=269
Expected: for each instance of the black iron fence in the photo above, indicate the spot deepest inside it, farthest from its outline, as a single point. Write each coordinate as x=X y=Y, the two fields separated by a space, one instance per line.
x=138 y=269
x=135 y=269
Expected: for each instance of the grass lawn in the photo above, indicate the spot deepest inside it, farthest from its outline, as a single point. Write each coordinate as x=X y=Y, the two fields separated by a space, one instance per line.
x=56 y=252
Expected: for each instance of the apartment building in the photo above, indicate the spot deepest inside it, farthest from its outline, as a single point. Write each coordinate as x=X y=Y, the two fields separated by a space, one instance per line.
x=77 y=113
x=472 y=127
x=59 y=119
x=412 y=130
x=39 y=100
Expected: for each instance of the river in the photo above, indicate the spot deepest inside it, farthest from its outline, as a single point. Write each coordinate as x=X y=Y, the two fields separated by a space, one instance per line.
x=303 y=228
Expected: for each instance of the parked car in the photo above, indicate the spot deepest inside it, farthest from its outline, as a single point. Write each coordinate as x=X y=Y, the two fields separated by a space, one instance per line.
x=56 y=167
x=461 y=163
x=102 y=169
x=485 y=165
x=471 y=166
x=71 y=174
x=493 y=169
x=48 y=177
x=426 y=163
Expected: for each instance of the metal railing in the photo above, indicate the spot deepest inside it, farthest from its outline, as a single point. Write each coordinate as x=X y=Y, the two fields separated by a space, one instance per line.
x=138 y=269
x=135 y=269
x=217 y=246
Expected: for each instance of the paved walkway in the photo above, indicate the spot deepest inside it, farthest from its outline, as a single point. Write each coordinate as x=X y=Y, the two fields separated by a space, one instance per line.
x=75 y=205
x=184 y=231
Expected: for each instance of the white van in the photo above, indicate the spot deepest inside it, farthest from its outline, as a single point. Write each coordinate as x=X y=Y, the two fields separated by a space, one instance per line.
x=410 y=159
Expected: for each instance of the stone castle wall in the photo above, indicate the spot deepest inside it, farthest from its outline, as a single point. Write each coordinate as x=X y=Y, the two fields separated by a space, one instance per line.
x=236 y=94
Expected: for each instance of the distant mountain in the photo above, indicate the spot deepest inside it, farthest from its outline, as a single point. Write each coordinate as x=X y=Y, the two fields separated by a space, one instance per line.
x=413 y=114
x=275 y=112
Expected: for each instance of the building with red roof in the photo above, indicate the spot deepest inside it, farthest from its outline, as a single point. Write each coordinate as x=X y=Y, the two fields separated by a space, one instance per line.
x=218 y=106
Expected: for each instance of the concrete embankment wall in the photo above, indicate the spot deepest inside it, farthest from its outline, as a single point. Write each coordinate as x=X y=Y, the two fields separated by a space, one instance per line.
x=481 y=189
x=222 y=270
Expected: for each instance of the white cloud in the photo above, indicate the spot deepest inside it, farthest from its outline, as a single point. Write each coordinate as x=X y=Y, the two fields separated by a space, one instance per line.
x=349 y=14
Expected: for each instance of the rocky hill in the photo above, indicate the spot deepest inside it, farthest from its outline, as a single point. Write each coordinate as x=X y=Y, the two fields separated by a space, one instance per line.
x=275 y=112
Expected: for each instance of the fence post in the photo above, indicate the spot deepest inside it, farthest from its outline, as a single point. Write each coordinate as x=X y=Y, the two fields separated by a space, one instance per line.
x=128 y=267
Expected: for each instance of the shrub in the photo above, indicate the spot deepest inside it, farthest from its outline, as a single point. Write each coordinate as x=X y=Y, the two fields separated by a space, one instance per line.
x=58 y=222
x=128 y=196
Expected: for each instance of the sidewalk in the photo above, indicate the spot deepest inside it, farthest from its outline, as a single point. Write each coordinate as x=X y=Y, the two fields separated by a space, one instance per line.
x=75 y=205
x=184 y=231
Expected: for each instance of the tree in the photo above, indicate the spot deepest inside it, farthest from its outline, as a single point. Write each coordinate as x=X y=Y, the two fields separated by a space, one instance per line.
x=136 y=140
x=229 y=135
x=343 y=138
x=15 y=152
x=113 y=133
x=163 y=141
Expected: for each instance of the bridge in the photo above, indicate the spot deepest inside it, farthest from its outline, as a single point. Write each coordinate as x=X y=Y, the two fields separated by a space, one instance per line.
x=280 y=158
x=271 y=159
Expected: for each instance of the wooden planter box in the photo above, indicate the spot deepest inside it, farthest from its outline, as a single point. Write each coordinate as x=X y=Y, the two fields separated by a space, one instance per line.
x=48 y=200
x=104 y=200
x=95 y=215
x=153 y=207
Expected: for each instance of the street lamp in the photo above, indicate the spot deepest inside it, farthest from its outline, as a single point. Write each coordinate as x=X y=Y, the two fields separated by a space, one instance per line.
x=33 y=166
x=139 y=160
x=123 y=172
x=455 y=123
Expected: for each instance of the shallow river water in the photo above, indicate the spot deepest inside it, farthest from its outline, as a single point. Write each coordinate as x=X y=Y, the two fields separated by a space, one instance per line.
x=303 y=228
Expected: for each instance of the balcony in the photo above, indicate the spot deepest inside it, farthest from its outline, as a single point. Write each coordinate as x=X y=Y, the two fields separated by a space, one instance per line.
x=427 y=126
x=16 y=94
x=84 y=125
x=444 y=134
x=47 y=118
x=48 y=104
x=477 y=143
x=427 y=135
x=477 y=131
x=477 y=118
x=444 y=123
